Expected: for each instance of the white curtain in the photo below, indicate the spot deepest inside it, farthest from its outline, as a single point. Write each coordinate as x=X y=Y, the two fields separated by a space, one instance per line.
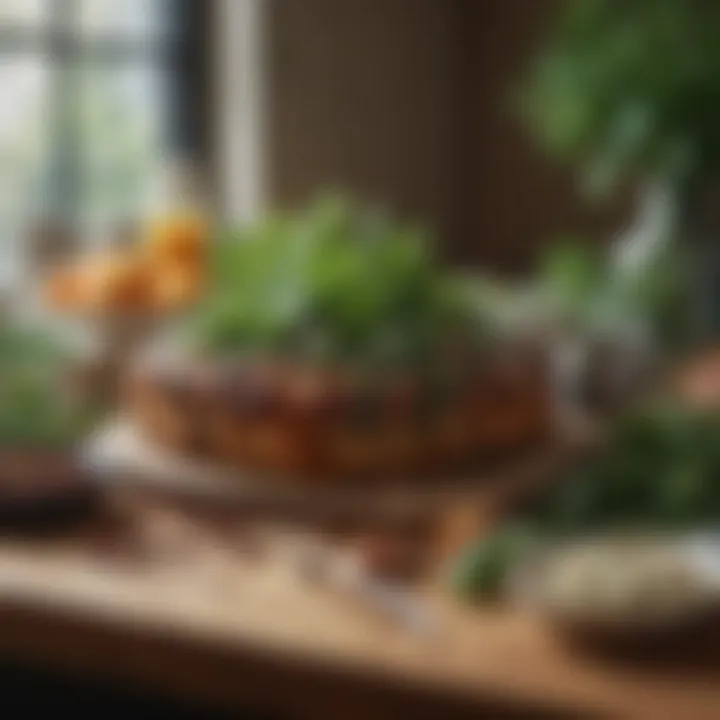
x=240 y=72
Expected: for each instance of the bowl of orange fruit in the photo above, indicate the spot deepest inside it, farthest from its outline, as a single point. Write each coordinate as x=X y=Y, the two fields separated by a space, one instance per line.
x=159 y=274
x=127 y=295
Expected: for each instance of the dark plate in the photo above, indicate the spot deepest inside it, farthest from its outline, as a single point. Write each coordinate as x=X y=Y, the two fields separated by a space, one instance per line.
x=44 y=489
x=635 y=634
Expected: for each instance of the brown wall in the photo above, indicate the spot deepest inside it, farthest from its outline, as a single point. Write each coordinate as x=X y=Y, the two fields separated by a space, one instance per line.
x=409 y=101
x=511 y=199
x=360 y=99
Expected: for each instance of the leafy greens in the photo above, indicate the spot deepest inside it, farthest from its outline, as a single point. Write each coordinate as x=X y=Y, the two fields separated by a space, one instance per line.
x=630 y=86
x=332 y=284
x=659 y=470
x=34 y=409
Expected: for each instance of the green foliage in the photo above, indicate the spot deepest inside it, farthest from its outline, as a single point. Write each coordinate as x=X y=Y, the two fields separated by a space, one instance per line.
x=481 y=572
x=331 y=284
x=29 y=350
x=32 y=408
x=657 y=291
x=628 y=86
x=659 y=470
x=571 y=278
x=591 y=291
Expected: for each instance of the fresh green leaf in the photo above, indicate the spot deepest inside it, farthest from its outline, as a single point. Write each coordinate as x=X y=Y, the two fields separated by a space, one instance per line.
x=332 y=282
x=620 y=85
x=482 y=570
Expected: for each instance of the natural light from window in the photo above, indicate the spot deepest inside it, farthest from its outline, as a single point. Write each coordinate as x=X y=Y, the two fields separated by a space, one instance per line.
x=83 y=113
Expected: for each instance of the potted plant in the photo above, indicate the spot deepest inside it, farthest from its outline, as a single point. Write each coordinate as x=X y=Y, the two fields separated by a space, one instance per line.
x=41 y=420
x=630 y=91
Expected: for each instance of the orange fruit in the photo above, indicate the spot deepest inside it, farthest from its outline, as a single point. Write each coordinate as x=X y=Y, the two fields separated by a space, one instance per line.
x=63 y=290
x=182 y=238
x=116 y=281
x=175 y=285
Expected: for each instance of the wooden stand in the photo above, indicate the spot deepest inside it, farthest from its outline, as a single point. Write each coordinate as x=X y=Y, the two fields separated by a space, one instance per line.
x=124 y=458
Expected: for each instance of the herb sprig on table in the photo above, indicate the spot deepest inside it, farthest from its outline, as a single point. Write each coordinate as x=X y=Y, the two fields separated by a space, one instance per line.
x=332 y=284
x=658 y=470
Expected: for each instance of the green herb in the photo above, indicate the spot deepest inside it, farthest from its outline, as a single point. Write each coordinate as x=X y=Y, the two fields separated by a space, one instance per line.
x=333 y=284
x=33 y=408
x=482 y=571
x=592 y=292
x=571 y=279
x=659 y=470
x=629 y=86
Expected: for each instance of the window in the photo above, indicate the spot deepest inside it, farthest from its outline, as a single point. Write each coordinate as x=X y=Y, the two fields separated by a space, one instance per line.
x=87 y=93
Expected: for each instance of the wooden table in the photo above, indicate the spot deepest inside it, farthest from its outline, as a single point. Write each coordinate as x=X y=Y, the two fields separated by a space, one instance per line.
x=183 y=604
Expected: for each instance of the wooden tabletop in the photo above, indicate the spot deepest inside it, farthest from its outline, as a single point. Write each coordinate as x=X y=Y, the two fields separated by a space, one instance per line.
x=192 y=606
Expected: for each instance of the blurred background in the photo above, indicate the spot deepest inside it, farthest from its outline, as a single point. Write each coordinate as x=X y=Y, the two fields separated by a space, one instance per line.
x=89 y=94
x=405 y=102
x=564 y=154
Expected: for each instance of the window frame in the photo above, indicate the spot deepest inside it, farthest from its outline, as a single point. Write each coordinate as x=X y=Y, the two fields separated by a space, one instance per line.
x=181 y=54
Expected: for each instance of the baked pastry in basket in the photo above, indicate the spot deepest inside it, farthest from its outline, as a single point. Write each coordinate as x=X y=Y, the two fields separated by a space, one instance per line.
x=331 y=345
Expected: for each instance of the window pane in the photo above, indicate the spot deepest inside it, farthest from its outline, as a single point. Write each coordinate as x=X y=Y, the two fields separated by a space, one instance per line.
x=125 y=18
x=23 y=13
x=23 y=150
x=122 y=122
